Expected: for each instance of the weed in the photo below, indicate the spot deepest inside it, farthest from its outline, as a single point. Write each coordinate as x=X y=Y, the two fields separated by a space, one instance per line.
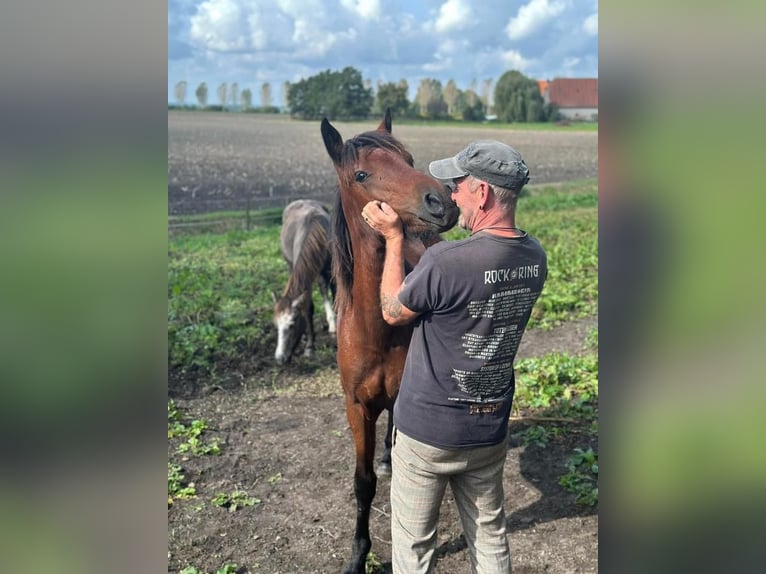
x=219 y=285
x=177 y=486
x=275 y=479
x=536 y=435
x=582 y=478
x=191 y=432
x=373 y=565
x=235 y=500
x=225 y=569
x=563 y=385
x=591 y=339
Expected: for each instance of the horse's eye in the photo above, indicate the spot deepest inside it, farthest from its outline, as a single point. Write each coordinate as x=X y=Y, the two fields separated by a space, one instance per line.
x=361 y=176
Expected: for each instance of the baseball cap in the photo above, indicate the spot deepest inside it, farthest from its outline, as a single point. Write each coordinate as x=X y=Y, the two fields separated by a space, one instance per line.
x=488 y=160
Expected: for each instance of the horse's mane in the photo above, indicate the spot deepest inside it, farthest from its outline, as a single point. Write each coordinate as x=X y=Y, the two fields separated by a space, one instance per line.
x=311 y=259
x=342 y=254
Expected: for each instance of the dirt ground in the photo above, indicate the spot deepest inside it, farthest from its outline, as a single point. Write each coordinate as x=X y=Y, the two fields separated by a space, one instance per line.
x=220 y=161
x=283 y=432
x=287 y=443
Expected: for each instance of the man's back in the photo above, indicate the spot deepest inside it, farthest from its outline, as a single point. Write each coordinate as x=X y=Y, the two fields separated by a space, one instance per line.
x=475 y=297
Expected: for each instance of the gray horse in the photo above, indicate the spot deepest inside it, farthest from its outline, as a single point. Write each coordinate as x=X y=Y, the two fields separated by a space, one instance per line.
x=305 y=243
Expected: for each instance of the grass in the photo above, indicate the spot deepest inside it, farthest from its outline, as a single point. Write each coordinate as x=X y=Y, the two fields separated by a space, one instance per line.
x=220 y=284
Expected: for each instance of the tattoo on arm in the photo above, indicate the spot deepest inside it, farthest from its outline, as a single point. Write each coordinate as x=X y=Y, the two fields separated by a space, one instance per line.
x=391 y=306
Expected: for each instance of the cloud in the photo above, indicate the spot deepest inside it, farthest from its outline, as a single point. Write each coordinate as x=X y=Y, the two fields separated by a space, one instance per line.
x=254 y=41
x=220 y=25
x=366 y=9
x=531 y=17
x=515 y=61
x=590 y=25
x=453 y=15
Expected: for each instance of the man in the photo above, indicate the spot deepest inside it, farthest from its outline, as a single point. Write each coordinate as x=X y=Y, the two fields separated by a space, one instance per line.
x=470 y=300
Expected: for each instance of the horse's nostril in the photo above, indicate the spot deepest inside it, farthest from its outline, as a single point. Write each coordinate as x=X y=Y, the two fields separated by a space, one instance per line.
x=434 y=204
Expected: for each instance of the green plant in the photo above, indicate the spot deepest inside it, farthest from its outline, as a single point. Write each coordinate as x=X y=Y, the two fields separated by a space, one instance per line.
x=219 y=284
x=373 y=565
x=275 y=478
x=535 y=435
x=178 y=488
x=235 y=500
x=191 y=432
x=591 y=339
x=582 y=478
x=564 y=385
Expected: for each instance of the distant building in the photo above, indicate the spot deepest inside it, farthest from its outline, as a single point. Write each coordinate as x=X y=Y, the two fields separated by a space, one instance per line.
x=576 y=98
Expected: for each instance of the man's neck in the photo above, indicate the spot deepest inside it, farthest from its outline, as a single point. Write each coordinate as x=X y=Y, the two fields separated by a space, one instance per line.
x=497 y=222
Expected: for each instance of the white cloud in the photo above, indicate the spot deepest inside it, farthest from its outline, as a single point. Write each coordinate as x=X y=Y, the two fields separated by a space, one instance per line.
x=515 y=61
x=571 y=62
x=219 y=25
x=531 y=17
x=367 y=9
x=253 y=41
x=590 y=25
x=453 y=15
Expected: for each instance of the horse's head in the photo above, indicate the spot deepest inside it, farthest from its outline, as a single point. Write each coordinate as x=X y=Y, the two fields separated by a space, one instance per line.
x=375 y=166
x=290 y=322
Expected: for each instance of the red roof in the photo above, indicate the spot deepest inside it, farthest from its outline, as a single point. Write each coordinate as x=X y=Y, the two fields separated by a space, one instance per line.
x=574 y=92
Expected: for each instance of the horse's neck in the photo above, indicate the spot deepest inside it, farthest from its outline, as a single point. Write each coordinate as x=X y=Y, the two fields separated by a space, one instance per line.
x=296 y=285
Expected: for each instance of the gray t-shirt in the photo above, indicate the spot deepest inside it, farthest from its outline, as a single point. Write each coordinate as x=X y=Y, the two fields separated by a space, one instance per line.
x=475 y=297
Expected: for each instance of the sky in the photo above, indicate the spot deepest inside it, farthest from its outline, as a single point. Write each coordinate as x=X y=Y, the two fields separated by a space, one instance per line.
x=251 y=42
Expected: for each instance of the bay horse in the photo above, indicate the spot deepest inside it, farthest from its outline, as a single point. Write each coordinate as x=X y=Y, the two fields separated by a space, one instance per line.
x=374 y=166
x=305 y=243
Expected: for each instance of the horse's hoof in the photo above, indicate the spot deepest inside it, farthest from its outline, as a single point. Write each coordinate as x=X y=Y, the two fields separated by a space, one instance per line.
x=384 y=469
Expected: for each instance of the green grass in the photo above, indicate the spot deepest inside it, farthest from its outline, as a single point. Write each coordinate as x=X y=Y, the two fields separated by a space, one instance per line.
x=219 y=285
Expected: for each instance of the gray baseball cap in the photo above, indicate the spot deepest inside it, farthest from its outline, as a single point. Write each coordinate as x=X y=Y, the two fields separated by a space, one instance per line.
x=488 y=160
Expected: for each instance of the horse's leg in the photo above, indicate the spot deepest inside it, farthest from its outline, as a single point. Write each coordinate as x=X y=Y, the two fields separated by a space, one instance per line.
x=324 y=288
x=309 y=328
x=384 y=466
x=365 y=483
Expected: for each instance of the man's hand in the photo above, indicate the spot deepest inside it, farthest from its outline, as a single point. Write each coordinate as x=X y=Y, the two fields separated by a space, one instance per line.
x=383 y=219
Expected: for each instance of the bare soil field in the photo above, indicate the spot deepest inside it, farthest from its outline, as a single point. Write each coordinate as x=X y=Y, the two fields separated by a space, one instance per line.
x=219 y=161
x=283 y=432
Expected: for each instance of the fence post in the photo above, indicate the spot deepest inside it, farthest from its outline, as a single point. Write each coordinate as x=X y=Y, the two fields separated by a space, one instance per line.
x=247 y=215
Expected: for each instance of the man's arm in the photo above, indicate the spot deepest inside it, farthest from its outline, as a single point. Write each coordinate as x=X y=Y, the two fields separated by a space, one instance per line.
x=385 y=221
x=394 y=313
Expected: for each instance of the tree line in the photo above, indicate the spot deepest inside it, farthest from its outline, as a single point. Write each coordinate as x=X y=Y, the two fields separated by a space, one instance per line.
x=345 y=95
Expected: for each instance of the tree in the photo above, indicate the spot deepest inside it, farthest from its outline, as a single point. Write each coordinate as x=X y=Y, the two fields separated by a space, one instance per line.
x=222 y=89
x=334 y=95
x=180 y=92
x=266 y=95
x=201 y=94
x=247 y=99
x=285 y=94
x=451 y=94
x=430 y=99
x=470 y=106
x=486 y=94
x=393 y=97
x=518 y=99
x=234 y=95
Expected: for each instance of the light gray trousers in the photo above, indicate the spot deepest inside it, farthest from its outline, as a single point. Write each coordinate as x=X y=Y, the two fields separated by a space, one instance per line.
x=420 y=476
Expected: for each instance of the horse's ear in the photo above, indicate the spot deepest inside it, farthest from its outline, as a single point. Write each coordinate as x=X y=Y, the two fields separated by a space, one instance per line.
x=274 y=297
x=385 y=124
x=333 y=143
